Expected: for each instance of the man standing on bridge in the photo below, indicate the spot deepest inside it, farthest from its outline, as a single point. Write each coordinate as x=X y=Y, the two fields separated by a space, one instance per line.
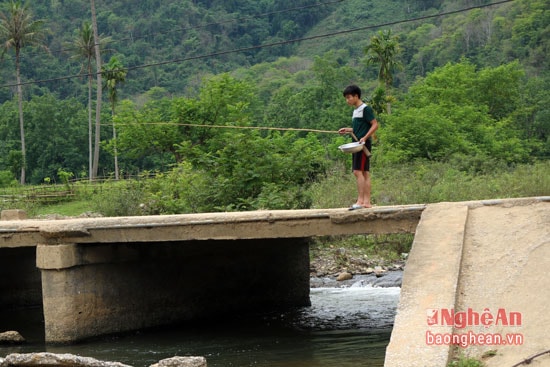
x=364 y=125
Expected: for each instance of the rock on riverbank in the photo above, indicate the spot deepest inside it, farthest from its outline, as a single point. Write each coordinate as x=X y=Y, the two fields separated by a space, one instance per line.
x=70 y=360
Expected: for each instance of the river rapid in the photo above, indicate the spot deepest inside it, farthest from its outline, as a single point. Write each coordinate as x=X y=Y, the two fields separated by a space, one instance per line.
x=345 y=326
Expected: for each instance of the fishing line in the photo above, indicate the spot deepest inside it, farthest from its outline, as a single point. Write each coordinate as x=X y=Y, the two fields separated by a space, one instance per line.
x=231 y=127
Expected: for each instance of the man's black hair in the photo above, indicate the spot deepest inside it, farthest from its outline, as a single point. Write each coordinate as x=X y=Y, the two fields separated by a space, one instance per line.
x=353 y=90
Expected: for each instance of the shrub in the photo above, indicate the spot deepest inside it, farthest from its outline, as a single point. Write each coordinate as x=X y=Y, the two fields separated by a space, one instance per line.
x=7 y=179
x=121 y=198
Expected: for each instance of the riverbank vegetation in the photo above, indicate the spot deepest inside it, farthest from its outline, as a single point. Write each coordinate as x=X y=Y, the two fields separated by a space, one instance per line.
x=178 y=192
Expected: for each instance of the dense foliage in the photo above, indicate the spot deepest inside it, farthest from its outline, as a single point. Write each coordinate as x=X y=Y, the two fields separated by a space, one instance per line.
x=472 y=92
x=459 y=110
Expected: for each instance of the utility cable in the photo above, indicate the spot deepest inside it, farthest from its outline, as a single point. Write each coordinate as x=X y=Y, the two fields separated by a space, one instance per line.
x=280 y=43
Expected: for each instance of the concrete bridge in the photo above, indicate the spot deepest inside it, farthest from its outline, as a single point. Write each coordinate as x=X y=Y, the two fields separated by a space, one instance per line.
x=97 y=276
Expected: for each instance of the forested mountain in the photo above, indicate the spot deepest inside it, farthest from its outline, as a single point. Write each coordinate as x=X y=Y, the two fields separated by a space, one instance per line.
x=153 y=32
x=278 y=63
x=188 y=39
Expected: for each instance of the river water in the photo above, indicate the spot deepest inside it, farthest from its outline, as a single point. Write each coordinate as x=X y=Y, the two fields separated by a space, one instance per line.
x=344 y=327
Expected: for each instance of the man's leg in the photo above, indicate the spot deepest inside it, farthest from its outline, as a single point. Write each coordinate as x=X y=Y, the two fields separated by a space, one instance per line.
x=363 y=188
x=366 y=191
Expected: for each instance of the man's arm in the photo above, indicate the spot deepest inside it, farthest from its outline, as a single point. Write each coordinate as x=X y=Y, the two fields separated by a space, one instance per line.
x=373 y=128
x=345 y=130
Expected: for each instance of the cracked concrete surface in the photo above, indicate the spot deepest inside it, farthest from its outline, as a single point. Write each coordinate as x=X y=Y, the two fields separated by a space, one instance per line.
x=487 y=258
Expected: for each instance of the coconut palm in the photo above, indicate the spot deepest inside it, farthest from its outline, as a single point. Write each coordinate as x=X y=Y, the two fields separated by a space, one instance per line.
x=17 y=30
x=83 y=47
x=383 y=50
x=114 y=73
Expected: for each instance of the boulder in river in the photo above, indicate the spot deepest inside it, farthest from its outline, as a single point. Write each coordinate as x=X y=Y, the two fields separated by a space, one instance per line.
x=344 y=276
x=11 y=337
x=181 y=362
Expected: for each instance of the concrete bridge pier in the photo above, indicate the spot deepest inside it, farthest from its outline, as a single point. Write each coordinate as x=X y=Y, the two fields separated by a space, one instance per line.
x=95 y=289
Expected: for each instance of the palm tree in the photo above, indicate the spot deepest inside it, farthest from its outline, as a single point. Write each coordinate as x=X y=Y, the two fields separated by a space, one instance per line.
x=18 y=29
x=114 y=73
x=383 y=50
x=83 y=47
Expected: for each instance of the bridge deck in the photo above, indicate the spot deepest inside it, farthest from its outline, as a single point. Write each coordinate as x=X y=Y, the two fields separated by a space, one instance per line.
x=211 y=226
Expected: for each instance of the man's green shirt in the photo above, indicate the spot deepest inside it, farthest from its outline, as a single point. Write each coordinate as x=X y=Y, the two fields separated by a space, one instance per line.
x=361 y=120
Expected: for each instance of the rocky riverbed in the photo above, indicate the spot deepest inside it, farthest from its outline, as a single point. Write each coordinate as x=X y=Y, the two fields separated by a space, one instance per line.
x=332 y=266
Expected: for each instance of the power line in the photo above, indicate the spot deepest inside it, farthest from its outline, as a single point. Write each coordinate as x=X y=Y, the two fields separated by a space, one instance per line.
x=280 y=43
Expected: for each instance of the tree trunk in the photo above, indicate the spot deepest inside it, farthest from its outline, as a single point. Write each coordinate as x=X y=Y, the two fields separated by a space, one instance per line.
x=90 y=139
x=99 y=91
x=388 y=104
x=21 y=123
x=114 y=141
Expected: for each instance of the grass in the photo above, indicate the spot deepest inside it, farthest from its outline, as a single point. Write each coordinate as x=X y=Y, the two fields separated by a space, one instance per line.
x=466 y=362
x=460 y=360
x=430 y=182
x=70 y=208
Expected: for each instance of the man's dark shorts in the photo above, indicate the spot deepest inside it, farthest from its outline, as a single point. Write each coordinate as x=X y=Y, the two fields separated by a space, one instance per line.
x=360 y=161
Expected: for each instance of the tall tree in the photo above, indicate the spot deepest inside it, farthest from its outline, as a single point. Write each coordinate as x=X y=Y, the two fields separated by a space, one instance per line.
x=383 y=50
x=95 y=165
x=114 y=73
x=83 y=47
x=18 y=29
